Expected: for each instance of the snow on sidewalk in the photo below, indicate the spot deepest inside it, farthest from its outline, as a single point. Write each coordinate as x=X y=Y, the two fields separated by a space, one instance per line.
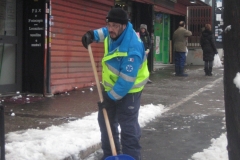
x=67 y=140
x=59 y=142
x=217 y=150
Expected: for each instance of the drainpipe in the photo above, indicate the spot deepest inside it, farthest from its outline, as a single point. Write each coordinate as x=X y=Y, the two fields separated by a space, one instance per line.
x=48 y=50
x=1 y=63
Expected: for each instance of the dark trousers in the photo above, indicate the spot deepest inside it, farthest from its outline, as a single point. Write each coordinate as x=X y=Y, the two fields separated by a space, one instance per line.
x=124 y=113
x=180 y=58
x=208 y=67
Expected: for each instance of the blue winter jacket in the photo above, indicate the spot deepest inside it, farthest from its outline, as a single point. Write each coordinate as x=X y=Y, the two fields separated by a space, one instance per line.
x=126 y=67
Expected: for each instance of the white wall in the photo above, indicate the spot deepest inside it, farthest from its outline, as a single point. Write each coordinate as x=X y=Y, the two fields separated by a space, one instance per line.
x=195 y=56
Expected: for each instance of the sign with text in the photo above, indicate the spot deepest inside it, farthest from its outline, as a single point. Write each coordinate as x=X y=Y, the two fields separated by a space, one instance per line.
x=34 y=45
x=36 y=26
x=218 y=23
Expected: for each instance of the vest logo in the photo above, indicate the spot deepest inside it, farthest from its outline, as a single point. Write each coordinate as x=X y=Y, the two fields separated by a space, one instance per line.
x=131 y=59
x=129 y=68
x=130 y=107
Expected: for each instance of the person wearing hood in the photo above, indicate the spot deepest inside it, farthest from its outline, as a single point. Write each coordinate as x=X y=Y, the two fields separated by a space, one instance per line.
x=144 y=35
x=209 y=49
x=124 y=75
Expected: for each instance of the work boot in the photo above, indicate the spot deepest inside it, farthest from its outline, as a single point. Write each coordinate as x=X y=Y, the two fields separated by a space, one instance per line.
x=206 y=71
x=182 y=74
x=176 y=71
x=210 y=71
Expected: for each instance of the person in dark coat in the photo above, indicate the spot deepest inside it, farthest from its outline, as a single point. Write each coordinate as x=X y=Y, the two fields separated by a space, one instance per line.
x=209 y=49
x=144 y=35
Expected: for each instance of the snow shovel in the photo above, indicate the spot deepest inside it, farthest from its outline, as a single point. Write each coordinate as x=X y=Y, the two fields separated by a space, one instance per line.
x=110 y=136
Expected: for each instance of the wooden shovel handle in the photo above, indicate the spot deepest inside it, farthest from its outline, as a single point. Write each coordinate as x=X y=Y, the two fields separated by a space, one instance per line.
x=110 y=136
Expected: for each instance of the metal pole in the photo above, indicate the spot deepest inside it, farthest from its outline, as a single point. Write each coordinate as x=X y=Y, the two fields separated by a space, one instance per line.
x=2 y=133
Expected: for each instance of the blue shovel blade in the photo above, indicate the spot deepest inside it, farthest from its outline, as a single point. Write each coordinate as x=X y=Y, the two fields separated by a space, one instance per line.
x=120 y=157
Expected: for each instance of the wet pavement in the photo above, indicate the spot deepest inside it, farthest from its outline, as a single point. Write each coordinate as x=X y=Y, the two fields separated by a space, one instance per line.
x=187 y=128
x=41 y=112
x=195 y=115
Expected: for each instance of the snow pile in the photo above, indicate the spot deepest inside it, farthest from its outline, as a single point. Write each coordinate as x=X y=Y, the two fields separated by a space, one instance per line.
x=59 y=142
x=236 y=80
x=151 y=111
x=56 y=142
x=217 y=151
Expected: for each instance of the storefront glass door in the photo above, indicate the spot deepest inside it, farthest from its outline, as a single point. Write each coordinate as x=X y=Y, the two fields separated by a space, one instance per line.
x=8 y=46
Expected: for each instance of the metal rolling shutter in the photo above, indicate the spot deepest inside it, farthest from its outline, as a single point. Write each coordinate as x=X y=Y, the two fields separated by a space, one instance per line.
x=177 y=10
x=70 y=62
x=198 y=16
x=170 y=7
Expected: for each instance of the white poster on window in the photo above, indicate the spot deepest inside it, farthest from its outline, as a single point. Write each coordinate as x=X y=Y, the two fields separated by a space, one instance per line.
x=219 y=3
x=157 y=45
x=218 y=17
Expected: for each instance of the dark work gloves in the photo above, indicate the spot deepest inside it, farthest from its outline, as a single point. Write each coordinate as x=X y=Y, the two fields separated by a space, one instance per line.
x=107 y=102
x=87 y=38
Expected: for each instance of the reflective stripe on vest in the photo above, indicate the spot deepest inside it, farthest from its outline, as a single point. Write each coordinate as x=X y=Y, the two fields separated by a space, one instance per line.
x=101 y=35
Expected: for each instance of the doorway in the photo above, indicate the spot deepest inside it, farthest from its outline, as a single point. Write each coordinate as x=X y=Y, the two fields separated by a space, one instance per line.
x=10 y=45
x=142 y=13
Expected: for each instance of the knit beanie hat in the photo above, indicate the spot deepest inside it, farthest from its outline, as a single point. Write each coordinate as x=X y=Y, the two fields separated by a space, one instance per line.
x=117 y=15
x=143 y=26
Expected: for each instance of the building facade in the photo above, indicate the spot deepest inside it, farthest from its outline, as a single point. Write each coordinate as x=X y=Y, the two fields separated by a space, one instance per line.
x=40 y=40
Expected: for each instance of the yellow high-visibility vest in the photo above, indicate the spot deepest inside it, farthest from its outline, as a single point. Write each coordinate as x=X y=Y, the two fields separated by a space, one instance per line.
x=109 y=78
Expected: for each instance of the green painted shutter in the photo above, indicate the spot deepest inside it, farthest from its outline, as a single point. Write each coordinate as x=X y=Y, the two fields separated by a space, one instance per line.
x=166 y=35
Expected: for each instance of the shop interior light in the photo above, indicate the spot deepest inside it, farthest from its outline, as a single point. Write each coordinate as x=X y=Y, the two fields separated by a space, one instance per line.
x=192 y=1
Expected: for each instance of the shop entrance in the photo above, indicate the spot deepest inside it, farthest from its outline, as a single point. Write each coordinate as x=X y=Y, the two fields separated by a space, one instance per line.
x=143 y=14
x=10 y=45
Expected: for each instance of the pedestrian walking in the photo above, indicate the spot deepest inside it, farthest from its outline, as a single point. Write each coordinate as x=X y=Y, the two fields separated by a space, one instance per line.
x=180 y=48
x=144 y=35
x=124 y=74
x=209 y=49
